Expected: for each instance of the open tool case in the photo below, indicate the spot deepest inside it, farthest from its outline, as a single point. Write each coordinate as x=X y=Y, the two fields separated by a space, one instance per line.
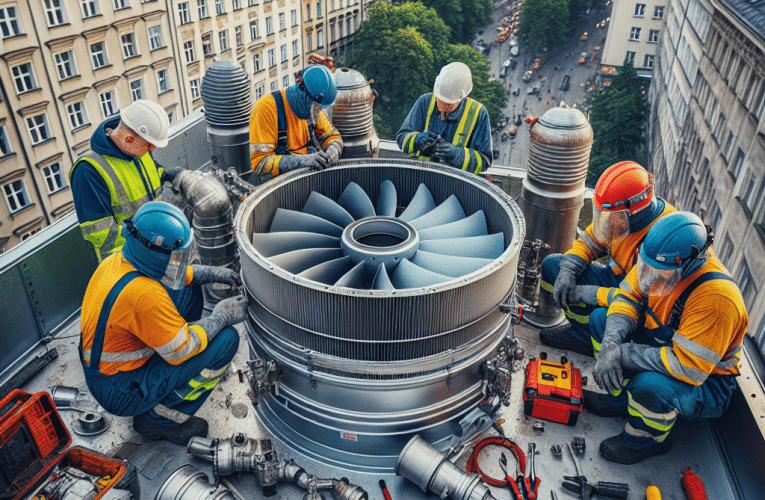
x=34 y=440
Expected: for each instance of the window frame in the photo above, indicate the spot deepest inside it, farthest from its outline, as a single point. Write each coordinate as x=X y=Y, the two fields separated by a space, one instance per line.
x=125 y=4
x=271 y=58
x=22 y=190
x=256 y=63
x=10 y=22
x=137 y=91
x=5 y=144
x=163 y=80
x=648 y=61
x=67 y=64
x=238 y=36
x=269 y=26
x=77 y=110
x=155 y=38
x=629 y=57
x=223 y=40
x=54 y=174
x=87 y=6
x=127 y=41
x=184 y=13
x=282 y=21
x=254 y=33
x=108 y=98
x=639 y=10
x=101 y=54
x=207 y=45
x=24 y=82
x=293 y=18
x=51 y=10
x=220 y=7
x=658 y=12
x=194 y=89
x=202 y=9
x=283 y=53
x=37 y=127
x=189 y=51
x=635 y=34
x=735 y=169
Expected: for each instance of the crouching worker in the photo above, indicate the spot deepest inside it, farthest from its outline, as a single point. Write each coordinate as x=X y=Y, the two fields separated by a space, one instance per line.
x=669 y=345
x=144 y=348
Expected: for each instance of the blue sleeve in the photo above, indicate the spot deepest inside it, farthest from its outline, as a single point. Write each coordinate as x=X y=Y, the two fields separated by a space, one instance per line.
x=415 y=120
x=92 y=200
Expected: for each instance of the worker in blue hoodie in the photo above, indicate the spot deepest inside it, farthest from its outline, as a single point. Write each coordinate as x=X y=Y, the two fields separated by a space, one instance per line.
x=118 y=175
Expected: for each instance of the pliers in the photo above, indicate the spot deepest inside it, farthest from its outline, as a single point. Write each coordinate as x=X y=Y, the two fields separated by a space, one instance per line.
x=515 y=484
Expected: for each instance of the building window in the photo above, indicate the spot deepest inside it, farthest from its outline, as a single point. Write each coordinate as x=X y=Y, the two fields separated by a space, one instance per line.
x=237 y=4
x=55 y=11
x=282 y=24
x=736 y=170
x=639 y=10
x=256 y=63
x=155 y=37
x=635 y=33
x=271 y=59
x=295 y=51
x=340 y=29
x=183 y=13
x=29 y=234
x=5 y=145
x=188 y=49
x=284 y=52
x=207 y=47
x=727 y=249
x=653 y=36
x=348 y=25
x=746 y=283
x=308 y=43
x=254 y=32
x=23 y=78
x=89 y=8
x=658 y=12
x=202 y=8
x=727 y=148
x=286 y=81
x=648 y=61
x=332 y=33
x=120 y=4
x=319 y=13
x=97 y=54
x=77 y=115
x=163 y=83
x=319 y=39
x=259 y=92
x=65 y=65
x=239 y=37
x=252 y=3
x=750 y=192
x=53 y=177
x=273 y=86
x=269 y=26
x=136 y=89
x=293 y=17
x=38 y=128
x=630 y=57
x=223 y=39
x=10 y=24
x=308 y=12
x=108 y=104
x=219 y=7
x=194 y=85
x=16 y=195
x=128 y=45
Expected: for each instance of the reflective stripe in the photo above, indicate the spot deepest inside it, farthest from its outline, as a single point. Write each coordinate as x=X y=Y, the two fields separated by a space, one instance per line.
x=187 y=350
x=329 y=133
x=469 y=115
x=589 y=242
x=728 y=365
x=205 y=381
x=261 y=148
x=118 y=357
x=408 y=142
x=595 y=347
x=629 y=429
x=173 y=344
x=548 y=287
x=466 y=158
x=100 y=225
x=210 y=373
x=696 y=349
x=734 y=350
x=431 y=107
x=619 y=296
x=680 y=371
x=577 y=317
x=479 y=163
x=174 y=415
x=266 y=165
x=658 y=421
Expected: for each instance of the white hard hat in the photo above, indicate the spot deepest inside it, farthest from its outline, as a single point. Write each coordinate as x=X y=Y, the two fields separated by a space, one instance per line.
x=147 y=119
x=453 y=83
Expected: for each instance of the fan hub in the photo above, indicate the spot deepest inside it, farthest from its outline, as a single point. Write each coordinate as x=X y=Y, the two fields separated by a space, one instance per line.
x=379 y=240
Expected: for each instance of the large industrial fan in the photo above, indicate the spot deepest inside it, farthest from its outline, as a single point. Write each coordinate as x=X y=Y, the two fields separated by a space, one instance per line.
x=377 y=295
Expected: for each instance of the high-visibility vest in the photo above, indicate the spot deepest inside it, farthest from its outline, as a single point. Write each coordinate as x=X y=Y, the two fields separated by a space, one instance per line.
x=466 y=126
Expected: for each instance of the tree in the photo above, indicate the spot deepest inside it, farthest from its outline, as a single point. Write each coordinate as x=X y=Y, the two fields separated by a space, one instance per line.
x=492 y=94
x=464 y=17
x=618 y=118
x=543 y=23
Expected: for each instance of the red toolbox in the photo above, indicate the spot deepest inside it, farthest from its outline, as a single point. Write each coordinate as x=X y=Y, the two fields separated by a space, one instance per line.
x=553 y=391
x=34 y=441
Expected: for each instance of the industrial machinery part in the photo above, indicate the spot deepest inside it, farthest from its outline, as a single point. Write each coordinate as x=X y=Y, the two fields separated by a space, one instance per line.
x=239 y=454
x=530 y=272
x=63 y=396
x=189 y=483
x=226 y=97
x=89 y=423
x=556 y=451
x=579 y=445
x=352 y=114
x=378 y=288
x=342 y=489
x=432 y=471
x=552 y=194
x=70 y=483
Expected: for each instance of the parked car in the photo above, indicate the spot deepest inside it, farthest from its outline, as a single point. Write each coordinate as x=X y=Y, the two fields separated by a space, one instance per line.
x=527 y=75
x=503 y=70
x=532 y=90
x=584 y=37
x=536 y=64
x=583 y=58
x=565 y=84
x=514 y=50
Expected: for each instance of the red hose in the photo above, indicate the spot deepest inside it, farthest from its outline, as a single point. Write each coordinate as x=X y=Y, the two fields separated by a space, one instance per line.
x=472 y=465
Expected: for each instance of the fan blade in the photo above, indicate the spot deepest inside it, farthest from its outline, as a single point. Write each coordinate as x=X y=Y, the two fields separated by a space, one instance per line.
x=356 y=202
x=475 y=225
x=408 y=275
x=421 y=203
x=298 y=261
x=354 y=278
x=328 y=272
x=290 y=220
x=448 y=211
x=489 y=246
x=321 y=206
x=448 y=265
x=387 y=200
x=382 y=281
x=270 y=244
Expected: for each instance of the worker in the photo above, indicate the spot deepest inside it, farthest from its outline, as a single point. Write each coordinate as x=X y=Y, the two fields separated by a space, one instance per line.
x=119 y=174
x=145 y=349
x=447 y=126
x=624 y=208
x=289 y=129
x=671 y=337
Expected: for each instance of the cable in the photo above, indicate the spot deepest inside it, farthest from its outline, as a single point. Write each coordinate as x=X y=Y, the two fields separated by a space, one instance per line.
x=472 y=465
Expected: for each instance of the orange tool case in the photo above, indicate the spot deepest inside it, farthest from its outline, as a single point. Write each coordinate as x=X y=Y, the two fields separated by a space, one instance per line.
x=553 y=390
x=34 y=439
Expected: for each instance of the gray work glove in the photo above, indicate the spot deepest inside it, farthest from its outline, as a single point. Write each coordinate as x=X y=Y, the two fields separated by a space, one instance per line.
x=424 y=141
x=169 y=174
x=448 y=152
x=334 y=150
x=227 y=312
x=583 y=294
x=215 y=274
x=313 y=161
x=571 y=266
x=608 y=368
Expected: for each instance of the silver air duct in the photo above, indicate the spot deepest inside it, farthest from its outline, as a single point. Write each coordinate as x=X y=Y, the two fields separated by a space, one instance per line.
x=189 y=483
x=432 y=471
x=227 y=103
x=352 y=114
x=361 y=341
x=553 y=193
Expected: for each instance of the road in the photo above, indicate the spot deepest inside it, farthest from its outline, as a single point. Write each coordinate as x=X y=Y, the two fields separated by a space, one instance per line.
x=556 y=63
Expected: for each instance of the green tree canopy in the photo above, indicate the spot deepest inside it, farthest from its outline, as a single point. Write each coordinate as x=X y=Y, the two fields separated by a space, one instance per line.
x=543 y=23
x=491 y=94
x=618 y=118
x=464 y=17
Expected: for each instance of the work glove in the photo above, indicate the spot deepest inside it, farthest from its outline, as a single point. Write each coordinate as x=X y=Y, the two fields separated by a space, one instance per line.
x=215 y=274
x=424 y=141
x=449 y=153
x=583 y=294
x=227 y=312
x=608 y=368
x=312 y=161
x=334 y=150
x=571 y=266
x=169 y=174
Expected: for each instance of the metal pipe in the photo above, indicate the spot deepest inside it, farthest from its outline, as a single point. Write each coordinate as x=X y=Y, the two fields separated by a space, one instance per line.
x=342 y=489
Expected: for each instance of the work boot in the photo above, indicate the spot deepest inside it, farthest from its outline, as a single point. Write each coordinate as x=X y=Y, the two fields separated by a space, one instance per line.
x=597 y=403
x=614 y=449
x=560 y=337
x=177 y=434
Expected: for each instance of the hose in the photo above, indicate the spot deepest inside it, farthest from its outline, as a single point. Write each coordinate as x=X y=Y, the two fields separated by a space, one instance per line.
x=472 y=465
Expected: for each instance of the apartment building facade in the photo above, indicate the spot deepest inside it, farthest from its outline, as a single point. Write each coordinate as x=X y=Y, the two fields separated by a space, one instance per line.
x=633 y=34
x=707 y=132
x=329 y=26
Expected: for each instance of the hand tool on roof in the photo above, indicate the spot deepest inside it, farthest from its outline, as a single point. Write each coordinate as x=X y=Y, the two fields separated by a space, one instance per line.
x=692 y=485
x=384 y=489
x=652 y=493
x=515 y=483
x=501 y=440
x=578 y=484
x=532 y=481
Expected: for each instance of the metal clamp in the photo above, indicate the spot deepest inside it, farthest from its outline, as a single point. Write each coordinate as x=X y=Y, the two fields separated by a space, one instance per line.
x=263 y=378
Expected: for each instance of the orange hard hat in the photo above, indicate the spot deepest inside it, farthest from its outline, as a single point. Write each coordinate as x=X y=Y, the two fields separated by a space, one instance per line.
x=624 y=186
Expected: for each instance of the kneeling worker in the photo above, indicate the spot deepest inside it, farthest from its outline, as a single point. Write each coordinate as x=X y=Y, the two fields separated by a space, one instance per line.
x=144 y=349
x=446 y=125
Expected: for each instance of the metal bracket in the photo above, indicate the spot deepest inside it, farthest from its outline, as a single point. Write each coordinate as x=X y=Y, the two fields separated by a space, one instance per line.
x=263 y=378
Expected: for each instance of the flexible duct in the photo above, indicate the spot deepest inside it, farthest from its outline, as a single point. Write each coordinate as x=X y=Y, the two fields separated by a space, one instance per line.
x=352 y=114
x=189 y=483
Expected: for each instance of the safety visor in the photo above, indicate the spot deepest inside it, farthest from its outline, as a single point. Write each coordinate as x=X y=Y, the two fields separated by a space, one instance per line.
x=175 y=272
x=609 y=227
x=654 y=281
x=317 y=100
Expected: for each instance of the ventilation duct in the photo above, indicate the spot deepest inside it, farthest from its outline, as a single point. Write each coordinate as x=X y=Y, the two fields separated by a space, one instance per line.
x=352 y=114
x=376 y=288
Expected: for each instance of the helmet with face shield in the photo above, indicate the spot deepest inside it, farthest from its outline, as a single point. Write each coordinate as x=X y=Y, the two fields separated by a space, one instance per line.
x=158 y=241
x=676 y=246
x=623 y=190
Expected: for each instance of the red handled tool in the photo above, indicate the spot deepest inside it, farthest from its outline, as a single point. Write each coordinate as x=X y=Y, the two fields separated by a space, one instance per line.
x=692 y=485
x=531 y=481
x=385 y=491
x=515 y=484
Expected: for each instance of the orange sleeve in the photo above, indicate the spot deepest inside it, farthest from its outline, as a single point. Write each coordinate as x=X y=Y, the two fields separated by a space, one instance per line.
x=326 y=132
x=263 y=136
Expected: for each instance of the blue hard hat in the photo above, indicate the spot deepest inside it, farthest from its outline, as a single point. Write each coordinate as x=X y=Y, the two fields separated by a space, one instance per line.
x=678 y=240
x=318 y=83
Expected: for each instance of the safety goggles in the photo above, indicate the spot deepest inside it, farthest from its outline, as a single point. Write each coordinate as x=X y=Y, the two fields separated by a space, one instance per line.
x=609 y=227
x=654 y=281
